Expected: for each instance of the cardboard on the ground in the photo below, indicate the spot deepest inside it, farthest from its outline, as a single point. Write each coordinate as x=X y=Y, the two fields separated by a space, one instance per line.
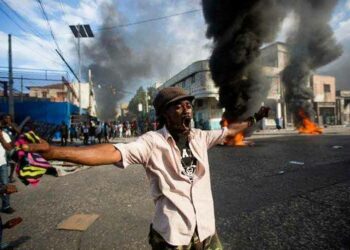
x=79 y=222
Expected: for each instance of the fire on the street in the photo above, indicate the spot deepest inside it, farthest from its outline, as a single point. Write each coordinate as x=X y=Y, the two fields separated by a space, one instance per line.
x=307 y=126
x=237 y=140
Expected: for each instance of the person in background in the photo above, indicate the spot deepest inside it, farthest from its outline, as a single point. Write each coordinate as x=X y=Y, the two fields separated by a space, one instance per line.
x=99 y=131
x=73 y=133
x=133 y=128
x=128 y=129
x=85 y=129
x=92 y=132
x=5 y=146
x=64 y=133
x=13 y=131
x=120 y=129
x=175 y=158
x=115 y=128
x=7 y=190
x=106 y=129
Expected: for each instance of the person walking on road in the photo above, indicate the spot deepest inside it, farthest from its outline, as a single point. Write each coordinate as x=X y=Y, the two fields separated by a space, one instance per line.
x=64 y=133
x=11 y=128
x=5 y=146
x=175 y=158
x=85 y=129
x=8 y=189
x=73 y=133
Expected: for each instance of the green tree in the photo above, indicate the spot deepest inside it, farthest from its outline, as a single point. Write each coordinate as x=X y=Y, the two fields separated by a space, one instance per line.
x=140 y=97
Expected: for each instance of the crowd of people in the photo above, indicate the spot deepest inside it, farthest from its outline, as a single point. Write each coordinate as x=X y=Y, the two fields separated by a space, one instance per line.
x=103 y=131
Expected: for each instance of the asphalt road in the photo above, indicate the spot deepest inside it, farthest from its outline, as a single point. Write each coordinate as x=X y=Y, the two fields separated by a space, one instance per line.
x=262 y=200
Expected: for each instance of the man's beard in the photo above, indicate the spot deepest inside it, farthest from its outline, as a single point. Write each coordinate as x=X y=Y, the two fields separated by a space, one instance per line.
x=180 y=127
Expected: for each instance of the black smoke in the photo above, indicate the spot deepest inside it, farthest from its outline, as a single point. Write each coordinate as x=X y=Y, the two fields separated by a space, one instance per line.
x=312 y=45
x=127 y=56
x=240 y=28
x=113 y=64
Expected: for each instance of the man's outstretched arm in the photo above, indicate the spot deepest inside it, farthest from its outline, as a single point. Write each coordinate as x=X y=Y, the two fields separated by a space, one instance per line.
x=94 y=155
x=235 y=128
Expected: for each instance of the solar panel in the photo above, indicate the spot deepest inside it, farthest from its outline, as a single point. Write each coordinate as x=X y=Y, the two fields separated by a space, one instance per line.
x=88 y=30
x=74 y=30
x=82 y=31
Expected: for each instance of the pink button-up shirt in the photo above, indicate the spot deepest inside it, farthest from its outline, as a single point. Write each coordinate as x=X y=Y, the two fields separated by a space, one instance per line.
x=180 y=204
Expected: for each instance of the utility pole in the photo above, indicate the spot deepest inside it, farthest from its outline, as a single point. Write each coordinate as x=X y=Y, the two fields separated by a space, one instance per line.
x=80 y=31
x=21 y=88
x=79 y=73
x=90 y=92
x=146 y=95
x=11 y=106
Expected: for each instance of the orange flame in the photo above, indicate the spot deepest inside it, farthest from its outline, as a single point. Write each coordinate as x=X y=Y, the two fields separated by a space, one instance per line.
x=308 y=127
x=237 y=140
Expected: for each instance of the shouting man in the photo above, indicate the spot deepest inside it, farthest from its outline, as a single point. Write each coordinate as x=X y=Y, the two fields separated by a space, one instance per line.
x=176 y=162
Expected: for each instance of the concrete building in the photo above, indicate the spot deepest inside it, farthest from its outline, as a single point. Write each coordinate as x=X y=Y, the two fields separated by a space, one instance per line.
x=324 y=99
x=274 y=59
x=59 y=92
x=88 y=101
x=66 y=92
x=343 y=107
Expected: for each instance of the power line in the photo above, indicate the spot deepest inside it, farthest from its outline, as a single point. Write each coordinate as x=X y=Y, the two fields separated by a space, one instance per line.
x=39 y=53
x=29 y=25
x=148 y=20
x=48 y=22
x=33 y=79
x=25 y=68
x=23 y=29
x=138 y=22
x=19 y=26
x=64 y=13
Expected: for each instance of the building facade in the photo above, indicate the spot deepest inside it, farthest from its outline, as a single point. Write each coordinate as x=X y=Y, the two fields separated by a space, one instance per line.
x=59 y=92
x=343 y=107
x=196 y=79
x=88 y=101
x=274 y=58
x=324 y=100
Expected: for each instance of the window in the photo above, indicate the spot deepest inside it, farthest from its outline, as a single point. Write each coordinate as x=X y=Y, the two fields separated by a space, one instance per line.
x=327 y=88
x=193 y=79
x=199 y=103
x=44 y=94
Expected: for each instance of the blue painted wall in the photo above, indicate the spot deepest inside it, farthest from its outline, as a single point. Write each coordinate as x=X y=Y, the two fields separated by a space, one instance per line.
x=45 y=111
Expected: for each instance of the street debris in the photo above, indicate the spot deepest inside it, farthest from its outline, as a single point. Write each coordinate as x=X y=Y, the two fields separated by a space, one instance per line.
x=337 y=147
x=62 y=168
x=296 y=162
x=78 y=222
x=280 y=172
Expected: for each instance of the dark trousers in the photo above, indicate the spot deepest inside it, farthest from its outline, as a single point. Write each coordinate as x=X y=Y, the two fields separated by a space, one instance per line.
x=158 y=243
